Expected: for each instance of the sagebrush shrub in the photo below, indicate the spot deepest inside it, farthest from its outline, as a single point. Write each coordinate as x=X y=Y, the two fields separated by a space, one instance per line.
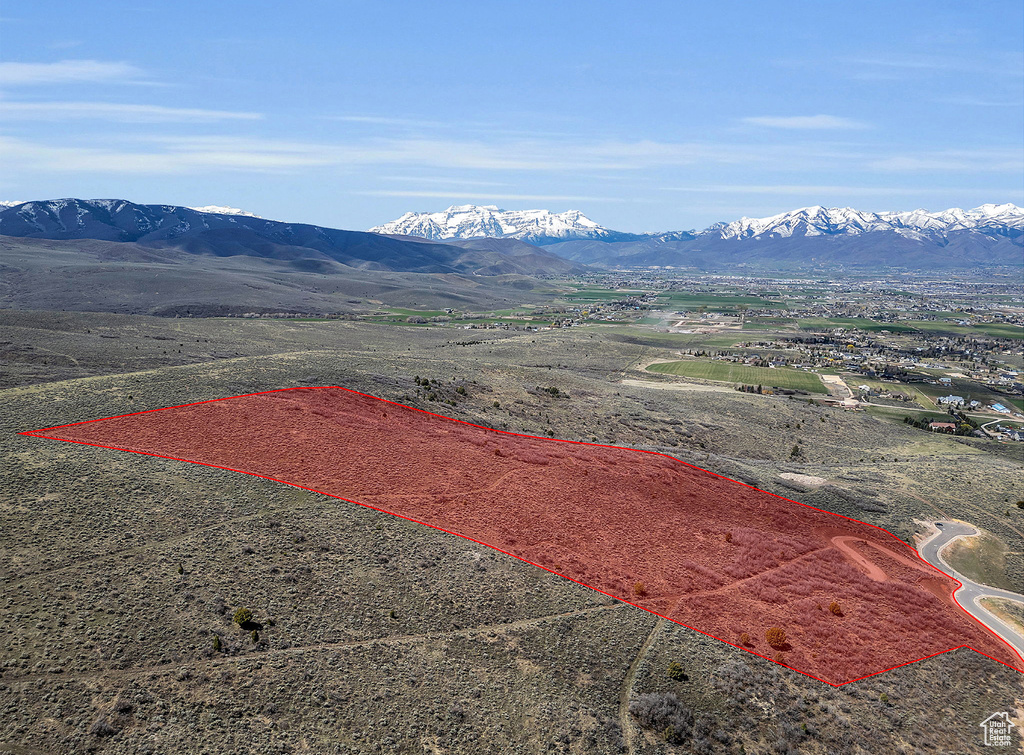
x=675 y=671
x=776 y=637
x=660 y=711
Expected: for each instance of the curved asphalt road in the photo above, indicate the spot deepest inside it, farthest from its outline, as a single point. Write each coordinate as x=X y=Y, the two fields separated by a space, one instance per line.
x=968 y=595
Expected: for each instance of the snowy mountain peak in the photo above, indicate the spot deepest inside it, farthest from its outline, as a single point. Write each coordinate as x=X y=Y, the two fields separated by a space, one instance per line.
x=820 y=221
x=472 y=221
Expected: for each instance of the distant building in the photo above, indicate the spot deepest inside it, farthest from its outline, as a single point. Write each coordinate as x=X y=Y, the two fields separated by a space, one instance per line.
x=942 y=427
x=950 y=400
x=1000 y=408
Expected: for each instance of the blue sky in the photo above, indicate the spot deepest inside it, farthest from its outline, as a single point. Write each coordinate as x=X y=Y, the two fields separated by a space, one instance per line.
x=646 y=116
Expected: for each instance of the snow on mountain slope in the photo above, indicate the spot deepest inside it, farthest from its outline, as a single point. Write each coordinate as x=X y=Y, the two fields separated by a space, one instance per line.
x=473 y=221
x=543 y=226
x=214 y=209
x=820 y=221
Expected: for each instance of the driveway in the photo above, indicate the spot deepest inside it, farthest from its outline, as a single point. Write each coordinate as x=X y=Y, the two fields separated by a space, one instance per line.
x=971 y=591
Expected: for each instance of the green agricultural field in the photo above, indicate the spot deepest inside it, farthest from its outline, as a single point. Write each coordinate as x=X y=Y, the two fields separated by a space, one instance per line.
x=627 y=332
x=993 y=329
x=717 y=303
x=730 y=372
x=599 y=295
x=769 y=323
x=861 y=323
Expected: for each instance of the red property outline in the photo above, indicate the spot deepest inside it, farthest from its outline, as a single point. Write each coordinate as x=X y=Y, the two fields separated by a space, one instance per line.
x=41 y=434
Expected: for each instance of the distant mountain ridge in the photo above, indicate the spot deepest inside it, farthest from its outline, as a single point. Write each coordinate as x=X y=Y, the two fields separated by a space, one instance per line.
x=807 y=238
x=814 y=221
x=489 y=241
x=546 y=227
x=226 y=232
x=475 y=221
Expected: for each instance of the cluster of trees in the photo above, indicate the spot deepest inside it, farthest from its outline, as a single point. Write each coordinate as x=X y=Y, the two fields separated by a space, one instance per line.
x=750 y=388
x=964 y=424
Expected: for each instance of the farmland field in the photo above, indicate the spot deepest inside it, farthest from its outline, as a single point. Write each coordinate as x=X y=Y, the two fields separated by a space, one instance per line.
x=994 y=329
x=717 y=302
x=860 y=323
x=740 y=373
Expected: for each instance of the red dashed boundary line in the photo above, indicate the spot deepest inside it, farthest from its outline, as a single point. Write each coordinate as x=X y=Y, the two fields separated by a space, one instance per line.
x=41 y=434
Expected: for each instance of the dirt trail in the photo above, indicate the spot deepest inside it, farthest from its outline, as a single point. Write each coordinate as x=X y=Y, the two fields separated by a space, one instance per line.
x=629 y=730
x=873 y=570
x=298 y=650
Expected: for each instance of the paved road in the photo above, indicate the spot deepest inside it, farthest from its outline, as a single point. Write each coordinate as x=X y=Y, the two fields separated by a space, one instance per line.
x=968 y=595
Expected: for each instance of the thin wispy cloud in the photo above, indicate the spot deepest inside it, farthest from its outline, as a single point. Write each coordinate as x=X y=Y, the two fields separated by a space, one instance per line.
x=489 y=197
x=971 y=101
x=121 y=113
x=979 y=160
x=209 y=155
x=899 y=65
x=69 y=72
x=792 y=189
x=177 y=154
x=374 y=120
x=442 y=181
x=806 y=122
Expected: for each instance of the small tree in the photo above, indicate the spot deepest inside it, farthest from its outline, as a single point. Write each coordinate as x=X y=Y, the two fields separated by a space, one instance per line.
x=776 y=637
x=744 y=639
x=639 y=589
x=835 y=609
x=728 y=537
x=217 y=644
x=243 y=616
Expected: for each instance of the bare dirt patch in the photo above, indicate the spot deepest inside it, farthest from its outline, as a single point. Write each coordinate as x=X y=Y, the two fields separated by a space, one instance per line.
x=804 y=479
x=677 y=386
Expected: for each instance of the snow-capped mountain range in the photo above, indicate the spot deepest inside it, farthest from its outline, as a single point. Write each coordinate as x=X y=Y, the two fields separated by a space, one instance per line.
x=475 y=238
x=473 y=221
x=819 y=221
x=545 y=227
